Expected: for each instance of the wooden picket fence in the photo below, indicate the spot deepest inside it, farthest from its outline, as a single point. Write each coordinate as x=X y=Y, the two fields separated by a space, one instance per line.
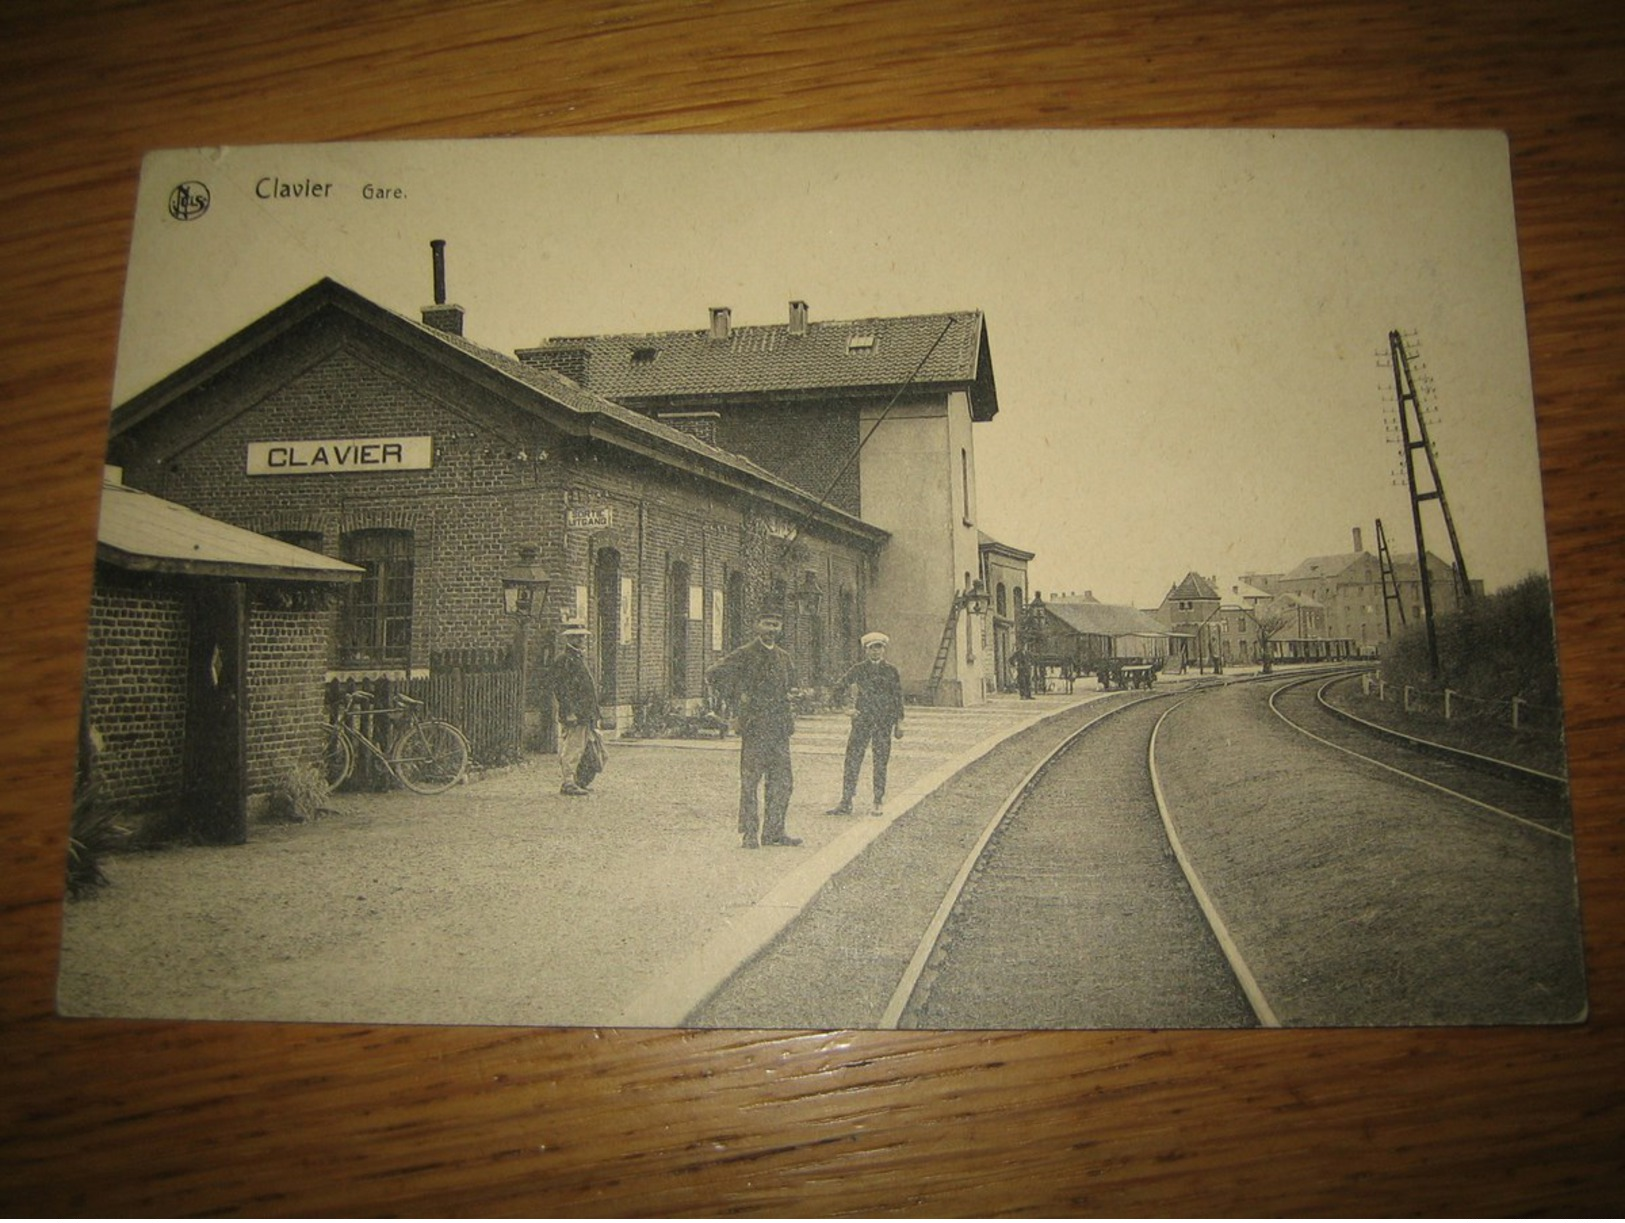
x=475 y=690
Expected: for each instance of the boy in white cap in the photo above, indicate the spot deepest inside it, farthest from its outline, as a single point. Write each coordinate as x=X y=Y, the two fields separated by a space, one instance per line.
x=877 y=717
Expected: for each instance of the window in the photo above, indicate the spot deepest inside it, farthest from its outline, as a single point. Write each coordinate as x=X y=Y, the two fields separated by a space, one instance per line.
x=1000 y=600
x=311 y=541
x=965 y=486
x=377 y=622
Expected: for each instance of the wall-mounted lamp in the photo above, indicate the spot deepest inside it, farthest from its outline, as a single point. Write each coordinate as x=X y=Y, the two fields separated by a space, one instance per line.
x=524 y=587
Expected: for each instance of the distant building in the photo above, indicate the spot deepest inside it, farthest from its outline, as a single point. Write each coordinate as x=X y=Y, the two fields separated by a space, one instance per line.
x=1083 y=633
x=1348 y=585
x=1004 y=577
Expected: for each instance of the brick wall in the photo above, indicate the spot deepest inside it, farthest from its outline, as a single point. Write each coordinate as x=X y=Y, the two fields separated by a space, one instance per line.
x=289 y=631
x=806 y=444
x=491 y=489
x=135 y=692
x=135 y=685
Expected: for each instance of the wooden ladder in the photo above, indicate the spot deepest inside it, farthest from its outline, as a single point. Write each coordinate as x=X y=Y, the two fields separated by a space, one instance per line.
x=944 y=648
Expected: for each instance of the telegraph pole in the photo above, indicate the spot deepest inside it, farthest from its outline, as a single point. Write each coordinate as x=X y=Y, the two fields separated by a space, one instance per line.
x=1413 y=432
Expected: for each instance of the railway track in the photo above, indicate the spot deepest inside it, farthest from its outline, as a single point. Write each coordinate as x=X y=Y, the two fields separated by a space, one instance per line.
x=1234 y=856
x=1535 y=799
x=1077 y=909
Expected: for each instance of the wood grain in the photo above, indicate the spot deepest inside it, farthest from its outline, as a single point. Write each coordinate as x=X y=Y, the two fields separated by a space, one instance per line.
x=121 y=1117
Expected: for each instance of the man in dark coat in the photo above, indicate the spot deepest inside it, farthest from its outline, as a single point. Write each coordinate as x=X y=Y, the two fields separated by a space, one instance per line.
x=877 y=717
x=577 y=695
x=755 y=680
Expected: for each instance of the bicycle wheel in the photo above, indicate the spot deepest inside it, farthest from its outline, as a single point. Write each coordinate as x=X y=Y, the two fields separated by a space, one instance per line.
x=430 y=757
x=338 y=757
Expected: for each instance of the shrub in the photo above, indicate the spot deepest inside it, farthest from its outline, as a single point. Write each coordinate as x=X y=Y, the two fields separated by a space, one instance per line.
x=298 y=795
x=93 y=834
x=1494 y=648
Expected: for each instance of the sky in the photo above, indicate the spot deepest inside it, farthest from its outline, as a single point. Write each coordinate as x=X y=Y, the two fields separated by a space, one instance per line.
x=1188 y=329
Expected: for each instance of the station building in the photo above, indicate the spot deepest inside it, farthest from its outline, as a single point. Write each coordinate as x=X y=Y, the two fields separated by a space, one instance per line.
x=440 y=469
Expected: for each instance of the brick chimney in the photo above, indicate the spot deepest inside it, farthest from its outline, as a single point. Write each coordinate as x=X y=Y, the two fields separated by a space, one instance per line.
x=719 y=322
x=798 y=318
x=562 y=358
x=440 y=316
x=1357 y=541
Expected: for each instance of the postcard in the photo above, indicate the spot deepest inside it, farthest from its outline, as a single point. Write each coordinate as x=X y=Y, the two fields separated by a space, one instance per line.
x=980 y=580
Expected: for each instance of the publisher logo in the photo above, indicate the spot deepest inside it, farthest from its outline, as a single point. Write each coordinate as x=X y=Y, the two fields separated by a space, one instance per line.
x=189 y=201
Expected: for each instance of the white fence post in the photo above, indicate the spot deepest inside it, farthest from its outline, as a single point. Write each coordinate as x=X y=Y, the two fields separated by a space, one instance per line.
x=1517 y=701
x=1447 y=695
x=1405 y=698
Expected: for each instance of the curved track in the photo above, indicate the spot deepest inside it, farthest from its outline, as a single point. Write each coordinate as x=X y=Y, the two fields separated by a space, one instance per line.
x=1209 y=861
x=1536 y=800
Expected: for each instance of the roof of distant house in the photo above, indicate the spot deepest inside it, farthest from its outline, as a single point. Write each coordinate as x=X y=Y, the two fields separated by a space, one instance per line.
x=1339 y=563
x=1107 y=619
x=987 y=543
x=1193 y=586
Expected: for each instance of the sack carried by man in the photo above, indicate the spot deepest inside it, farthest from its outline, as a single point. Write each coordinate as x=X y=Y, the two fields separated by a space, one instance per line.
x=593 y=759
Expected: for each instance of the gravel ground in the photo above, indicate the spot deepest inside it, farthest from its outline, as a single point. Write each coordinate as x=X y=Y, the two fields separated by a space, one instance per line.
x=498 y=902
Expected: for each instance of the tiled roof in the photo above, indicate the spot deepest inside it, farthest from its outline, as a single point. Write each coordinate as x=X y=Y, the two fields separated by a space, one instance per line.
x=1193 y=586
x=875 y=352
x=1107 y=620
x=583 y=402
x=1326 y=566
x=140 y=531
x=585 y=405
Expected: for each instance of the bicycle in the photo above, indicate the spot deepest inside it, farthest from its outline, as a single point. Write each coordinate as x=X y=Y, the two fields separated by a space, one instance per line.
x=428 y=756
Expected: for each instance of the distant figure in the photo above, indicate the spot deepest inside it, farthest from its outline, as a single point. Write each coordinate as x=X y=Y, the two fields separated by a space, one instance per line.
x=1024 y=674
x=756 y=680
x=877 y=717
x=580 y=746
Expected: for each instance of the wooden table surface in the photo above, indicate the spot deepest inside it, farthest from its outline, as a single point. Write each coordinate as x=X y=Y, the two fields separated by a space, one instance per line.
x=126 y=1117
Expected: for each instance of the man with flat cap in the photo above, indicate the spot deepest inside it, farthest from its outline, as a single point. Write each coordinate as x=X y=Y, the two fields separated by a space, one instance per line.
x=755 y=680
x=577 y=695
x=877 y=717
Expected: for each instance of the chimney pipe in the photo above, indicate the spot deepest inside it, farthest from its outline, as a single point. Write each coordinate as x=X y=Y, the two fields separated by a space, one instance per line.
x=438 y=246
x=1357 y=540
x=719 y=322
x=798 y=318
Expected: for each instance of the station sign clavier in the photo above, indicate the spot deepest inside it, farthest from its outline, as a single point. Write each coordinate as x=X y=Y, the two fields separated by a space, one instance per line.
x=348 y=454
